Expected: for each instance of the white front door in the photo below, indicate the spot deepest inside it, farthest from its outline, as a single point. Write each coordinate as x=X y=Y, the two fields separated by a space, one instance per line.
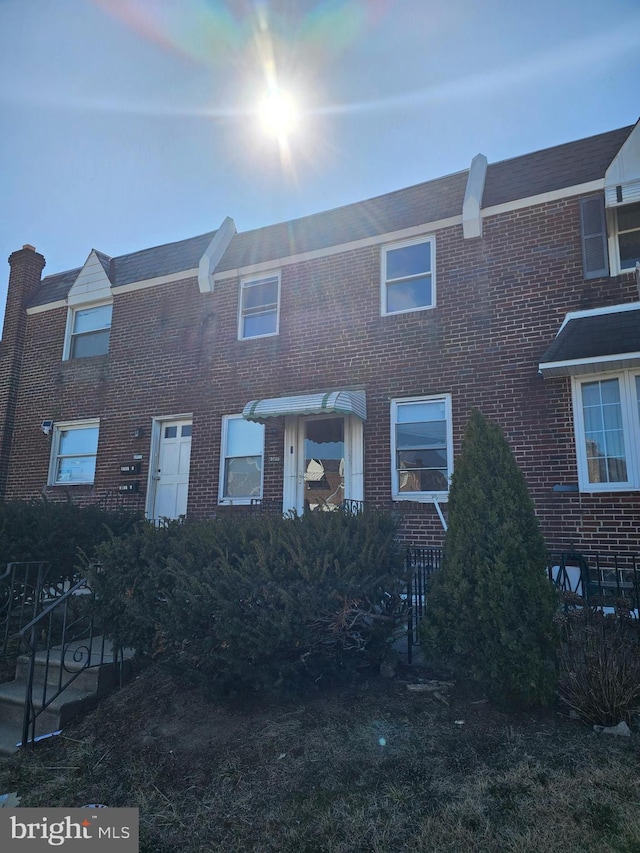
x=323 y=462
x=170 y=481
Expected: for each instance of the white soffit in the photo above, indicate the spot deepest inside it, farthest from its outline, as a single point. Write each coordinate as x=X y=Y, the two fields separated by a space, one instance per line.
x=92 y=283
x=622 y=178
x=213 y=254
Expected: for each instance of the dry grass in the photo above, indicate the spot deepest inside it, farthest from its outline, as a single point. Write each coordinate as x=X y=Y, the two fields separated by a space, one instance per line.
x=369 y=769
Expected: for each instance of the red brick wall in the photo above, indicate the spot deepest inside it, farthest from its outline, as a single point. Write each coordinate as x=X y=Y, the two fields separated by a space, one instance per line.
x=26 y=269
x=500 y=301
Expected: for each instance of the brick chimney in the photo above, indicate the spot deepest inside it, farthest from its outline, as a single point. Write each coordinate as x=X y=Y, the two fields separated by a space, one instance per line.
x=24 y=279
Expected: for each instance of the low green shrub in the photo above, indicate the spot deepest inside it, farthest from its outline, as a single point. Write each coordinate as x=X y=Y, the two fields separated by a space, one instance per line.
x=599 y=675
x=256 y=602
x=55 y=532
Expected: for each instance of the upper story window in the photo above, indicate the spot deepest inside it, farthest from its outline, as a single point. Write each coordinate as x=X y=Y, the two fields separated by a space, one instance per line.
x=610 y=237
x=241 y=460
x=421 y=448
x=628 y=236
x=607 y=426
x=73 y=453
x=259 y=307
x=408 y=276
x=88 y=331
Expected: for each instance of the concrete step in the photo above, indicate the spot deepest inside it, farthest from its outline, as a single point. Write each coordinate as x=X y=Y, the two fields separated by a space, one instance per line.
x=58 y=714
x=76 y=660
x=10 y=737
x=93 y=680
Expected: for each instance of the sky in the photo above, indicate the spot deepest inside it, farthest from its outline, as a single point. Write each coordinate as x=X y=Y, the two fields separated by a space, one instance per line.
x=132 y=123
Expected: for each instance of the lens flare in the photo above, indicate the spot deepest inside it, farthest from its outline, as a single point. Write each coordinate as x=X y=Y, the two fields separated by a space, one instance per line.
x=279 y=114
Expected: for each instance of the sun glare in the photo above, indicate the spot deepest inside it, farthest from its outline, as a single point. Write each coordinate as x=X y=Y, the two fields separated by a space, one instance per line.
x=279 y=114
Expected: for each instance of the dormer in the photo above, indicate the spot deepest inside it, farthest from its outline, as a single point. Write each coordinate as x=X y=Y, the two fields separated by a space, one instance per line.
x=622 y=200
x=90 y=303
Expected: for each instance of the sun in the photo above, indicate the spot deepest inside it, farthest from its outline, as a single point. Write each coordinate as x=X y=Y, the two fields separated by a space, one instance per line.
x=279 y=114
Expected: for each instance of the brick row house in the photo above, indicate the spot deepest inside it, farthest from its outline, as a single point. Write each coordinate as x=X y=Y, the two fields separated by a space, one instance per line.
x=337 y=357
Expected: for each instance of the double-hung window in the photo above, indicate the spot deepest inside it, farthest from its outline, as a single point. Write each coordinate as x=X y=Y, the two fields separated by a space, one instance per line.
x=241 y=460
x=607 y=426
x=73 y=453
x=421 y=448
x=628 y=228
x=88 y=331
x=259 y=306
x=408 y=276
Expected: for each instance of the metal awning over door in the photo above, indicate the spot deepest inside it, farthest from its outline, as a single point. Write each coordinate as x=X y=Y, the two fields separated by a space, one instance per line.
x=326 y=403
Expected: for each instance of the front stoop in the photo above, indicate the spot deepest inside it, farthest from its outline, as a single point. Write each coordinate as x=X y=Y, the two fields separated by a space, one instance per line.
x=89 y=686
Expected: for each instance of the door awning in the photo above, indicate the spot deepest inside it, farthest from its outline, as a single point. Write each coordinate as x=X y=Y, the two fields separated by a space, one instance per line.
x=330 y=402
x=595 y=342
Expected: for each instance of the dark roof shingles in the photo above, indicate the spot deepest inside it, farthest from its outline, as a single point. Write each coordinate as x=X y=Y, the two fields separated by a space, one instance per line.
x=614 y=333
x=394 y=211
x=520 y=177
x=552 y=168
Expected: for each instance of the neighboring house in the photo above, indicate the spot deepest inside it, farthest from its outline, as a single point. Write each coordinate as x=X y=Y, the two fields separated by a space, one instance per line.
x=337 y=357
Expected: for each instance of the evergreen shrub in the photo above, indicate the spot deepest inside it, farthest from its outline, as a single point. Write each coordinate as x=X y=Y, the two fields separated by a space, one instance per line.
x=256 y=602
x=490 y=609
x=63 y=534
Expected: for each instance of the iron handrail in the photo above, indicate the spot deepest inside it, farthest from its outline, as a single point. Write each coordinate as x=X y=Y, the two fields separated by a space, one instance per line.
x=75 y=635
x=22 y=587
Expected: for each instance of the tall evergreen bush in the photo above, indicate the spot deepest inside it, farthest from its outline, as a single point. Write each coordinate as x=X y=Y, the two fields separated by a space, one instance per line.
x=491 y=607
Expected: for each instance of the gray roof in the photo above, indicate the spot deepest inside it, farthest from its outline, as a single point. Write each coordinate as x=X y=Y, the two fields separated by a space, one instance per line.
x=394 y=211
x=552 y=168
x=520 y=177
x=593 y=337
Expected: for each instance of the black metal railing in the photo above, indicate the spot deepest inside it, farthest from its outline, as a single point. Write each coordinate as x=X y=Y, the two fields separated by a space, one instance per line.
x=24 y=589
x=607 y=583
x=271 y=506
x=61 y=643
x=420 y=563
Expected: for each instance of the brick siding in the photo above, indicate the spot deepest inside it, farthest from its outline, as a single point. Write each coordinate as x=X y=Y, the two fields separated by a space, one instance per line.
x=500 y=302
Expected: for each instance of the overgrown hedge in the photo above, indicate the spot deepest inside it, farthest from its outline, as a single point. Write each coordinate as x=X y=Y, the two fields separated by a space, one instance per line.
x=59 y=533
x=259 y=602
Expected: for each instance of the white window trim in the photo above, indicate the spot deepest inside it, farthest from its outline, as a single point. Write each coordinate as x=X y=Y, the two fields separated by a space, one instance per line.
x=615 y=266
x=630 y=424
x=68 y=332
x=612 y=241
x=55 y=446
x=383 y=275
x=420 y=497
x=244 y=282
x=230 y=501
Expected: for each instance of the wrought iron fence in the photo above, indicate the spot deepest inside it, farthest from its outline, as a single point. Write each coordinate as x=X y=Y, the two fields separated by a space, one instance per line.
x=421 y=563
x=24 y=588
x=607 y=583
x=62 y=642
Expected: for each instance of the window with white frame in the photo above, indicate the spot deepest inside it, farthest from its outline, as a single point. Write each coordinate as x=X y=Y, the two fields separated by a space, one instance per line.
x=607 y=427
x=88 y=331
x=241 y=460
x=628 y=235
x=73 y=453
x=259 y=306
x=408 y=276
x=421 y=448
